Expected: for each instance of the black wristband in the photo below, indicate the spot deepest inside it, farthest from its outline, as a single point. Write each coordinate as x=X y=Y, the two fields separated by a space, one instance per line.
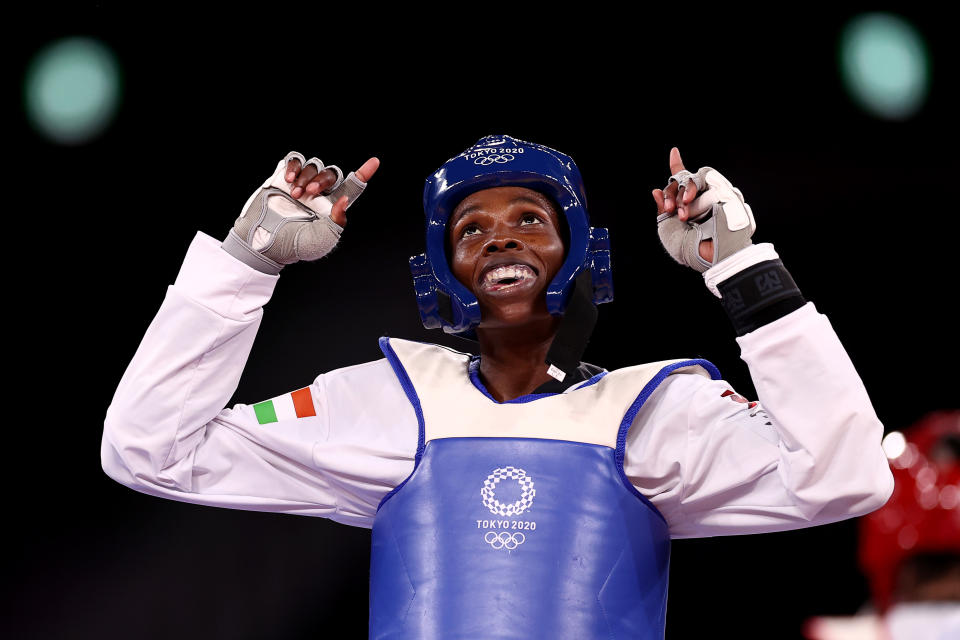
x=759 y=295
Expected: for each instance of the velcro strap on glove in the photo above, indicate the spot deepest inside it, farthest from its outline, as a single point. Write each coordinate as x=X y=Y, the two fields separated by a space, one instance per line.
x=275 y=229
x=718 y=213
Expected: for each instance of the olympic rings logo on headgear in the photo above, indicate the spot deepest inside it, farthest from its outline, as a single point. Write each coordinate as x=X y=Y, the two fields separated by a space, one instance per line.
x=485 y=161
x=504 y=540
x=489 y=496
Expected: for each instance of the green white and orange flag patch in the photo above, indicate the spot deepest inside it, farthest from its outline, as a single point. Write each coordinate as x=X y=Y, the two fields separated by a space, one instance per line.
x=298 y=404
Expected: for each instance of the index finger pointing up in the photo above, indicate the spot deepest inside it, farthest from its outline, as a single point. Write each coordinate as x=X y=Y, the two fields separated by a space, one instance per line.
x=369 y=168
x=676 y=163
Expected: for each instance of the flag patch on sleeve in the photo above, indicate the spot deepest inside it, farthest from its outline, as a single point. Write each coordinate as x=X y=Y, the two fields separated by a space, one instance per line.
x=298 y=404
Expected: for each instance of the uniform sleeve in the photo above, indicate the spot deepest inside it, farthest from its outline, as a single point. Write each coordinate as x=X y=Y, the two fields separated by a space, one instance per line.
x=327 y=450
x=809 y=453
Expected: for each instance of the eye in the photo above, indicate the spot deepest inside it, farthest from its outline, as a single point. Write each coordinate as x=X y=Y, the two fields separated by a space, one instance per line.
x=470 y=230
x=530 y=218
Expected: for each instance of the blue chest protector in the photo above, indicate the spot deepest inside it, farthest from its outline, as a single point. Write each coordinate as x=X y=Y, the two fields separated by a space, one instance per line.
x=517 y=537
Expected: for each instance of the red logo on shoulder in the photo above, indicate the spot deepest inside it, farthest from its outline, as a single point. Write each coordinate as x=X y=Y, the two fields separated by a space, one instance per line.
x=737 y=398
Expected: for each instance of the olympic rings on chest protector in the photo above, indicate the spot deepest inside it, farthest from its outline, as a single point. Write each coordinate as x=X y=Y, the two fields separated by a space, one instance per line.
x=504 y=540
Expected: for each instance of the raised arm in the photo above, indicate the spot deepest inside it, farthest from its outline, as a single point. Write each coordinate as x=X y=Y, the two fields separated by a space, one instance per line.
x=809 y=452
x=167 y=431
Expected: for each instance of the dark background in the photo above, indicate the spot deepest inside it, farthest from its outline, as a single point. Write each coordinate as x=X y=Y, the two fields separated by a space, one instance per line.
x=861 y=210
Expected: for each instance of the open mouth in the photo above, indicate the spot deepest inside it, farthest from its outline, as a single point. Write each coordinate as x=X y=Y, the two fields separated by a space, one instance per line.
x=507 y=276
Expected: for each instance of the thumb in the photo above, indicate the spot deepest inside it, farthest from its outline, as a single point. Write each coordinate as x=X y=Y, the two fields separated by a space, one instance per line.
x=339 y=212
x=659 y=199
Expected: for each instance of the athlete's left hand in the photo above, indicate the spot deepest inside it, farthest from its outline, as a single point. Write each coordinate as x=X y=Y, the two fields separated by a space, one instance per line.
x=700 y=226
x=679 y=198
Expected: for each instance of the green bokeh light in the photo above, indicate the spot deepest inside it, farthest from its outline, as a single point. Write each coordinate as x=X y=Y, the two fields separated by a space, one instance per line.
x=885 y=65
x=72 y=90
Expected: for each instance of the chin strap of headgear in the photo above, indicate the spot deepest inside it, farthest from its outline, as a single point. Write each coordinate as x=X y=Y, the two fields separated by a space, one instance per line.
x=577 y=325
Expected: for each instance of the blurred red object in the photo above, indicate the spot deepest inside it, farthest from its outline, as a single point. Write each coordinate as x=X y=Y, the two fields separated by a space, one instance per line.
x=923 y=514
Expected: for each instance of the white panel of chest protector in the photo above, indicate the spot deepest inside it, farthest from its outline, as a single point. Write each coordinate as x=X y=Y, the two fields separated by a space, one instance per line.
x=454 y=408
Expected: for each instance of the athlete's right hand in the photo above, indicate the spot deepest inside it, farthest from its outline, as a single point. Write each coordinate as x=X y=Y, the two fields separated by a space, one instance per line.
x=297 y=214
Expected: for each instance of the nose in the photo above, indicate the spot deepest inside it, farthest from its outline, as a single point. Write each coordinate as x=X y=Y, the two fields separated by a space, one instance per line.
x=502 y=243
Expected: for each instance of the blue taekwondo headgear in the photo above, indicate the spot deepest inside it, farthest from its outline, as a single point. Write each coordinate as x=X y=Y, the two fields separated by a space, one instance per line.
x=499 y=161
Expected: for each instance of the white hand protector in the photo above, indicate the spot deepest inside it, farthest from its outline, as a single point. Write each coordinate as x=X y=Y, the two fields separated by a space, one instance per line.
x=718 y=213
x=275 y=229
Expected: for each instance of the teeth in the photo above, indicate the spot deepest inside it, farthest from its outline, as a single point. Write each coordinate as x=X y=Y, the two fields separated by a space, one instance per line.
x=516 y=271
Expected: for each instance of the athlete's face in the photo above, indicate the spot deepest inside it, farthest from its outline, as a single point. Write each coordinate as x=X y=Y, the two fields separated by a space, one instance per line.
x=506 y=247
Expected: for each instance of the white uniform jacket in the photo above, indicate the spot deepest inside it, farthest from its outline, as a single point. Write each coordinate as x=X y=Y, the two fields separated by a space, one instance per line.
x=710 y=462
